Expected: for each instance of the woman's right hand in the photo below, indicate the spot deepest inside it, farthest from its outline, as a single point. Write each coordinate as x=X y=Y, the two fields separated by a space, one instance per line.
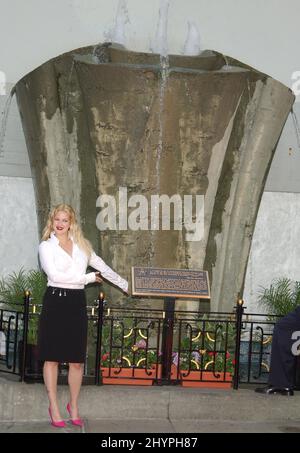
x=98 y=277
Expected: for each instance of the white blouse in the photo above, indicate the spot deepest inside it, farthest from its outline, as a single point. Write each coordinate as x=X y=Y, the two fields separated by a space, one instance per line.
x=65 y=271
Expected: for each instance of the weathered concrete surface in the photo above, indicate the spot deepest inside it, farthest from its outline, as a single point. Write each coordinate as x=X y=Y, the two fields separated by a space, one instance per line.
x=99 y=119
x=28 y=403
x=108 y=427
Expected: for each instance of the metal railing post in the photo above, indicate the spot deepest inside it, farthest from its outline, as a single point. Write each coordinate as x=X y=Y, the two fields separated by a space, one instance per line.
x=239 y=320
x=25 y=333
x=98 y=377
x=167 y=340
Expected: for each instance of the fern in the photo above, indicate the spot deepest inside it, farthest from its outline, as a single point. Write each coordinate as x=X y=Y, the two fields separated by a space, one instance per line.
x=12 y=290
x=282 y=297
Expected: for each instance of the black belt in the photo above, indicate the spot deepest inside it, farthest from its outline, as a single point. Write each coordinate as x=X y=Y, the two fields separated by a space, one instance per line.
x=59 y=291
x=62 y=291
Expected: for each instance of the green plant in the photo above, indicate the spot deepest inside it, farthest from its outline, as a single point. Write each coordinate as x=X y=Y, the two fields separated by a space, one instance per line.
x=282 y=297
x=124 y=344
x=12 y=290
x=208 y=346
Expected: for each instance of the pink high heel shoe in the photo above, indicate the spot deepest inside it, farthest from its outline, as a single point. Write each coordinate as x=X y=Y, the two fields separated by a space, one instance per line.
x=75 y=421
x=60 y=424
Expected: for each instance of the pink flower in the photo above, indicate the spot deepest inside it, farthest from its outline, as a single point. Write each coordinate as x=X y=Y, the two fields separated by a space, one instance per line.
x=141 y=344
x=196 y=356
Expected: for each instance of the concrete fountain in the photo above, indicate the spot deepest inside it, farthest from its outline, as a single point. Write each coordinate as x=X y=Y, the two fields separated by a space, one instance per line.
x=101 y=117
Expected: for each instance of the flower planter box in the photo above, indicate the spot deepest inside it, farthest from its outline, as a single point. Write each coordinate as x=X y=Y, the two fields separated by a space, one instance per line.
x=129 y=376
x=208 y=379
x=134 y=376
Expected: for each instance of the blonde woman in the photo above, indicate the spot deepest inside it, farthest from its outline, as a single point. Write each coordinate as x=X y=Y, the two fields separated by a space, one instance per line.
x=64 y=256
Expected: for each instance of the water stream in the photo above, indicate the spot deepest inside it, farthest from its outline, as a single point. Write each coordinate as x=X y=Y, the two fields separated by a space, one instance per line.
x=192 y=44
x=160 y=46
x=4 y=119
x=296 y=126
x=117 y=33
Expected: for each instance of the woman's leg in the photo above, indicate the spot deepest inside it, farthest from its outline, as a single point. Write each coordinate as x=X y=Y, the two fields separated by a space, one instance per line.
x=75 y=380
x=50 y=372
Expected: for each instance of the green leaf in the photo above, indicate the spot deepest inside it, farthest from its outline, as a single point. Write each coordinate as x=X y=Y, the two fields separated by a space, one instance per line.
x=282 y=297
x=12 y=290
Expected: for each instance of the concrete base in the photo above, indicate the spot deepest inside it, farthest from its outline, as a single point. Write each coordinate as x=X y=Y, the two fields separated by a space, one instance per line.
x=151 y=409
x=154 y=426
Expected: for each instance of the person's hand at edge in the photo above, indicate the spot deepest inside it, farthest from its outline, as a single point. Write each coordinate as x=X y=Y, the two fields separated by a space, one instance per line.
x=98 y=277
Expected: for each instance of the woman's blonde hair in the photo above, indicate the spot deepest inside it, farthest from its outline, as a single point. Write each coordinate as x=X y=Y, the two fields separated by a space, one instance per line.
x=75 y=230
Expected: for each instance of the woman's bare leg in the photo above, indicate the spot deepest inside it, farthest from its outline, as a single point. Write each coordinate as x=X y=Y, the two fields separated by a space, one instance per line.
x=75 y=380
x=50 y=372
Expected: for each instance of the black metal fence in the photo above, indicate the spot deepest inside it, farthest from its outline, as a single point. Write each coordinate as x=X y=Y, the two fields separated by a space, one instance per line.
x=149 y=346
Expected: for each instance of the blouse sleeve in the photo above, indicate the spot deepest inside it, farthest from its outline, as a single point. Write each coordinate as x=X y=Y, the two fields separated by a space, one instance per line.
x=106 y=272
x=48 y=265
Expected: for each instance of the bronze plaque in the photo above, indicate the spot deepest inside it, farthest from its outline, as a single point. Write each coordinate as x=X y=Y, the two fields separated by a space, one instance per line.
x=154 y=281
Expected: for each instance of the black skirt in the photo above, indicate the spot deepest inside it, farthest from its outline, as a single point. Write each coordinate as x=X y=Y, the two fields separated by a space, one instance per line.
x=62 y=335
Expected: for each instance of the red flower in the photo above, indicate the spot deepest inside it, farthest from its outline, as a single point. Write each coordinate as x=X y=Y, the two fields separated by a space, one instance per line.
x=227 y=355
x=233 y=362
x=212 y=353
x=105 y=357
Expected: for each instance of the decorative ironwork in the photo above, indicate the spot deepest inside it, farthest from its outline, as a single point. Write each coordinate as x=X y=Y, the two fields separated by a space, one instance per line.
x=127 y=345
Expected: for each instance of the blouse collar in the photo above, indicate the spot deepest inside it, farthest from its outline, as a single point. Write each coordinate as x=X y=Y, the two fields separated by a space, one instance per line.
x=54 y=239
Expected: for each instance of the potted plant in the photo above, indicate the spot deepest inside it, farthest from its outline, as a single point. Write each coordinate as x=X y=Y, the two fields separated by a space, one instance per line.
x=199 y=360
x=282 y=296
x=126 y=356
x=12 y=289
x=206 y=355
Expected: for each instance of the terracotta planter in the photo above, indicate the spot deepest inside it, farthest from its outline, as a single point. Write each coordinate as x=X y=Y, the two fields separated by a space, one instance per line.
x=208 y=379
x=134 y=376
x=129 y=376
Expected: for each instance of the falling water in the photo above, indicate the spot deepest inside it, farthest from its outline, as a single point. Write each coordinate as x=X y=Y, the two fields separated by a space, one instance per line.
x=117 y=34
x=67 y=89
x=122 y=18
x=160 y=46
x=192 y=43
x=164 y=63
x=4 y=120
x=296 y=126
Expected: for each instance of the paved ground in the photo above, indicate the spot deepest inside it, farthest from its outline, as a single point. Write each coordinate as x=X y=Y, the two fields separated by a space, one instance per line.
x=154 y=426
x=136 y=409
